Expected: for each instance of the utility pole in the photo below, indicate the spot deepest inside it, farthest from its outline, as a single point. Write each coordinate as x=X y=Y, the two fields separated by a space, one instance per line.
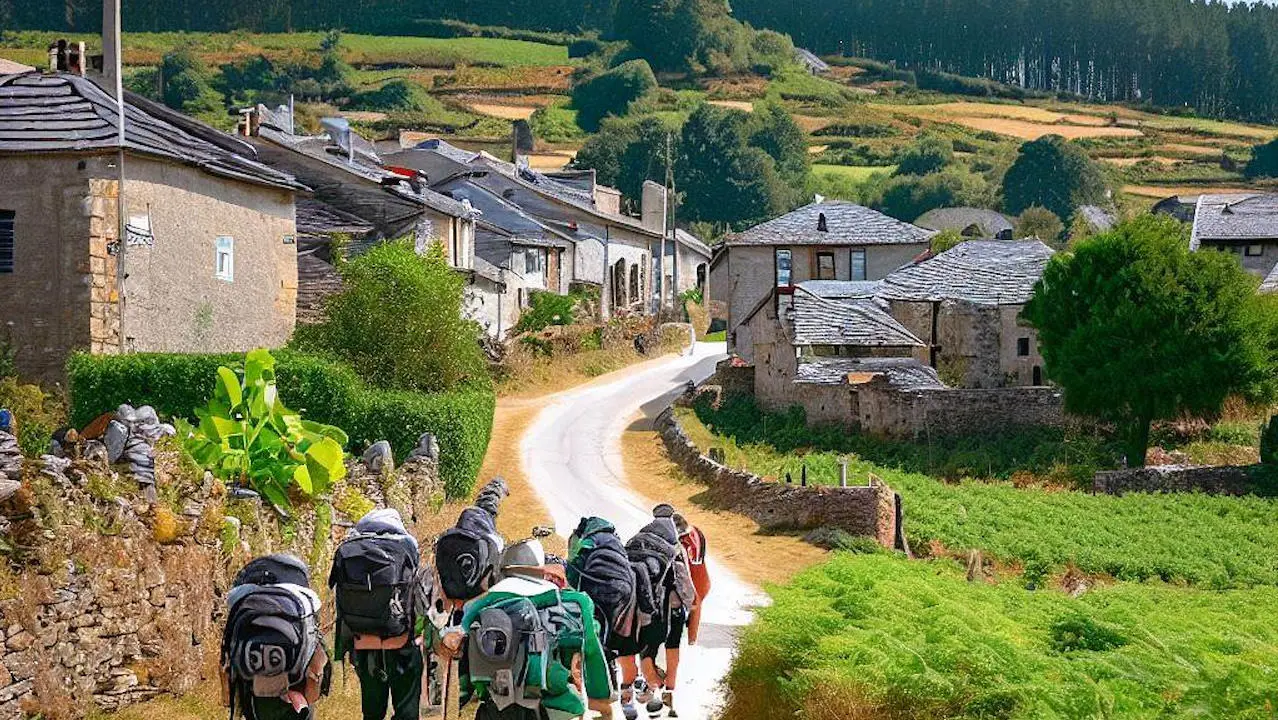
x=670 y=220
x=111 y=72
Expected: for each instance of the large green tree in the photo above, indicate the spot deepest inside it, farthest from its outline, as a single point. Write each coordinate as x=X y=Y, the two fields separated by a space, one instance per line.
x=1264 y=160
x=611 y=92
x=723 y=178
x=1136 y=328
x=1053 y=173
x=774 y=131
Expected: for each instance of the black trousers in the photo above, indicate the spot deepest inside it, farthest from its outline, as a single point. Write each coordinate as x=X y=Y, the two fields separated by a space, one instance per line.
x=390 y=679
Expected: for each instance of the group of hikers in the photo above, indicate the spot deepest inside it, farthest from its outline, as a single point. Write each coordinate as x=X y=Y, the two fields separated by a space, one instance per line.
x=531 y=636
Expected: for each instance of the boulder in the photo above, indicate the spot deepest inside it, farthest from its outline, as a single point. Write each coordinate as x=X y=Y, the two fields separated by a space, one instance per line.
x=378 y=458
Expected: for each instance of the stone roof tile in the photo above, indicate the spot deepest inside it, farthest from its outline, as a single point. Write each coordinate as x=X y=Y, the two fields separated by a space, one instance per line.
x=818 y=321
x=845 y=224
x=985 y=272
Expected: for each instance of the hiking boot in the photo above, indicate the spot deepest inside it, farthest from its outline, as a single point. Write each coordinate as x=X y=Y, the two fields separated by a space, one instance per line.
x=628 y=709
x=667 y=698
x=654 y=705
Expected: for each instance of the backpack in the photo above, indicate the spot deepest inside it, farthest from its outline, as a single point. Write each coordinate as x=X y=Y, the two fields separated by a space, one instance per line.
x=511 y=646
x=652 y=553
x=272 y=631
x=599 y=567
x=374 y=576
x=466 y=555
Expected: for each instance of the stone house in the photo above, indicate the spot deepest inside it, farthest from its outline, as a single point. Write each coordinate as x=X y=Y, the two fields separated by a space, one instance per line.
x=610 y=251
x=208 y=262
x=827 y=240
x=1243 y=224
x=965 y=305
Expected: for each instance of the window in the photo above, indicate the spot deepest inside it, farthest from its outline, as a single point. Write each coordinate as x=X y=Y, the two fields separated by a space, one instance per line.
x=858 y=264
x=825 y=266
x=1255 y=251
x=7 y=242
x=534 y=261
x=1022 y=347
x=224 y=258
x=784 y=265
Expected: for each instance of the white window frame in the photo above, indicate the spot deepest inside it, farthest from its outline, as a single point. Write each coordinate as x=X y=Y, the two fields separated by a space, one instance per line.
x=853 y=256
x=224 y=258
x=777 y=255
x=534 y=261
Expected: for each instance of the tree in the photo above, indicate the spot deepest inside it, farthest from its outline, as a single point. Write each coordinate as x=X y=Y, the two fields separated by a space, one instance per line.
x=678 y=35
x=1039 y=222
x=723 y=179
x=774 y=131
x=611 y=93
x=625 y=153
x=1264 y=160
x=186 y=84
x=905 y=197
x=930 y=154
x=1136 y=328
x=398 y=321
x=1052 y=173
x=946 y=239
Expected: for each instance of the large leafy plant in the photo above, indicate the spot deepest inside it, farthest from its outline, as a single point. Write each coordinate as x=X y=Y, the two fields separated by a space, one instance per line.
x=247 y=435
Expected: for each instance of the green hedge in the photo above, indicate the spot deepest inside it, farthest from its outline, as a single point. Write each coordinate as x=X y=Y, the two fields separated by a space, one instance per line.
x=323 y=390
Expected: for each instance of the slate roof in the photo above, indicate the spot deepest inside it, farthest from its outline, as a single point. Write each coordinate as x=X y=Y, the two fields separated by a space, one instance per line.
x=315 y=217
x=903 y=373
x=818 y=321
x=809 y=58
x=846 y=224
x=842 y=289
x=692 y=242
x=501 y=215
x=61 y=112
x=1251 y=216
x=985 y=272
x=1270 y=284
x=991 y=223
x=322 y=148
x=489 y=271
x=1099 y=218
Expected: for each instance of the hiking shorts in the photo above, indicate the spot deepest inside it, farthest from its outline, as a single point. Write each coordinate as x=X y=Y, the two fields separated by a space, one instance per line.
x=659 y=633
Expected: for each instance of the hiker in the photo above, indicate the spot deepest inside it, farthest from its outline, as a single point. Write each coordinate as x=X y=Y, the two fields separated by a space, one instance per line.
x=273 y=663
x=382 y=590
x=663 y=593
x=694 y=547
x=466 y=554
x=521 y=641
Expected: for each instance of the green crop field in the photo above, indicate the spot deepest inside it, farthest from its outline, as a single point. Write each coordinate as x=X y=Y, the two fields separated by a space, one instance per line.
x=1215 y=541
x=877 y=636
x=855 y=173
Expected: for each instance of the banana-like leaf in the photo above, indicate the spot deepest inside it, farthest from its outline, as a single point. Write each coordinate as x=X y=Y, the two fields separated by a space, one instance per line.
x=324 y=460
x=228 y=386
x=302 y=478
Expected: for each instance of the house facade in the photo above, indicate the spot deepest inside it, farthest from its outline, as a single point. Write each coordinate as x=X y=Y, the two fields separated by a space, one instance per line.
x=1245 y=225
x=828 y=241
x=208 y=262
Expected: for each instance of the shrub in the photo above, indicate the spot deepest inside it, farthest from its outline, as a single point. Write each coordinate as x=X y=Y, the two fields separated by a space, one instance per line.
x=546 y=309
x=1264 y=160
x=397 y=94
x=248 y=436
x=930 y=154
x=1039 y=222
x=327 y=391
x=398 y=321
x=611 y=92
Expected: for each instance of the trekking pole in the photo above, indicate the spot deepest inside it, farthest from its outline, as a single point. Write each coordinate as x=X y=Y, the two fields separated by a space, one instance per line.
x=448 y=685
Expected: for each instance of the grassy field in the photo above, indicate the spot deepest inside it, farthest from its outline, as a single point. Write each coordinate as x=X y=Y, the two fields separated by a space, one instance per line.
x=855 y=173
x=877 y=636
x=1033 y=520
x=147 y=48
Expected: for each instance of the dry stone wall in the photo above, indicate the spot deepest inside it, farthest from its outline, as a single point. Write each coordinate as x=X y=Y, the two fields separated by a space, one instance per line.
x=885 y=410
x=1212 y=480
x=868 y=510
x=113 y=600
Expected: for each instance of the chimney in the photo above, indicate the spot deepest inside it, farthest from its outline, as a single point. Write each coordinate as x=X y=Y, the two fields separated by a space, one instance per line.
x=653 y=207
x=111 y=48
x=521 y=140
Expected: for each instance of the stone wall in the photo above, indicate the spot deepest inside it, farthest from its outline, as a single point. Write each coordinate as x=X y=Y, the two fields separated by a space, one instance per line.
x=885 y=410
x=868 y=510
x=735 y=381
x=1219 y=480
x=112 y=601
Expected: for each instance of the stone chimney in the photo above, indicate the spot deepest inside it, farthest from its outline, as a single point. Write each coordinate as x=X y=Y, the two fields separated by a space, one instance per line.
x=653 y=207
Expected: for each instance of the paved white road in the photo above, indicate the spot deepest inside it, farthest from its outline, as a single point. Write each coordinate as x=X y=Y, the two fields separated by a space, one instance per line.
x=572 y=456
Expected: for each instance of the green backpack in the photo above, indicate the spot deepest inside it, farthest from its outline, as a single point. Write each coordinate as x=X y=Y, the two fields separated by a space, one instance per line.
x=513 y=649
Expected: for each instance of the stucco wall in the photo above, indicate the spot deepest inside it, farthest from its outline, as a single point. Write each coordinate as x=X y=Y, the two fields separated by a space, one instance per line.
x=44 y=303
x=494 y=308
x=174 y=302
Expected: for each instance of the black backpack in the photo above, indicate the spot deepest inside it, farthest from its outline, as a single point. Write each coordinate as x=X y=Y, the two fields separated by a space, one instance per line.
x=466 y=555
x=599 y=567
x=652 y=553
x=272 y=630
x=374 y=577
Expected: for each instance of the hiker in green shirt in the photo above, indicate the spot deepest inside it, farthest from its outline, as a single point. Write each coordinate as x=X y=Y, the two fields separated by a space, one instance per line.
x=520 y=640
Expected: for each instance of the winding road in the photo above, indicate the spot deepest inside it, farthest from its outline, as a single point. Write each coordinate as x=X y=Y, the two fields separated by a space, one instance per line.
x=572 y=457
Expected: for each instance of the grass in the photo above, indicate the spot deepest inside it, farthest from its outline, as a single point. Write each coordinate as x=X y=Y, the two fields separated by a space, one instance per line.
x=721 y=336
x=878 y=636
x=146 y=48
x=855 y=173
x=1218 y=542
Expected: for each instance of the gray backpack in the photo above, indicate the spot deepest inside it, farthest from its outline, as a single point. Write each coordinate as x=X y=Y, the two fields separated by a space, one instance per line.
x=503 y=640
